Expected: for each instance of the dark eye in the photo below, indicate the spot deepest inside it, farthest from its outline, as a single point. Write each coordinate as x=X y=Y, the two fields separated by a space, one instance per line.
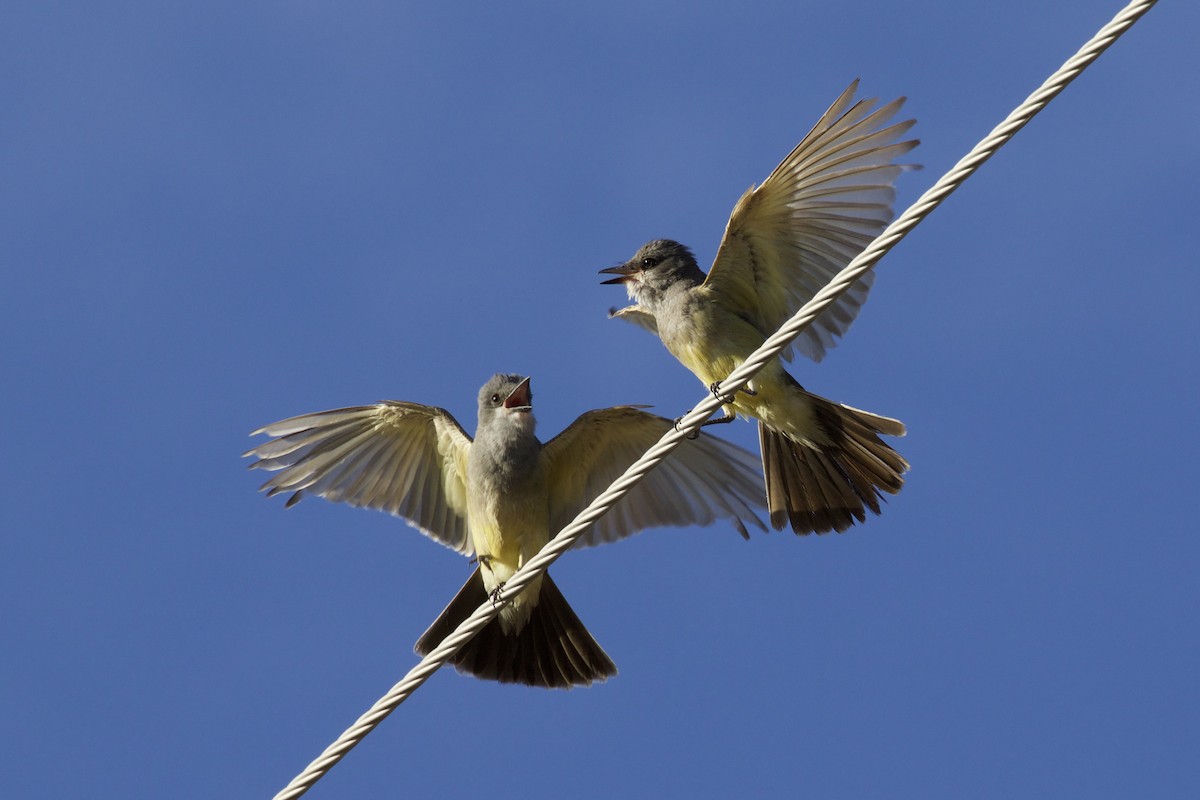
x=495 y=399
x=649 y=262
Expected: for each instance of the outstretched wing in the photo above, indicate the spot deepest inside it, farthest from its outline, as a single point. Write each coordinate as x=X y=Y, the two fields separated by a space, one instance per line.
x=829 y=198
x=704 y=480
x=407 y=459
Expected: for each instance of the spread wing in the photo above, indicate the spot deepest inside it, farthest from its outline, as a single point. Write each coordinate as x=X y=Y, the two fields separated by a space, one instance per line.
x=407 y=459
x=704 y=480
x=829 y=198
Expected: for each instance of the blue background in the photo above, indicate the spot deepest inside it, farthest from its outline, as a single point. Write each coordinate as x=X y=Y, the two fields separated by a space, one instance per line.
x=215 y=215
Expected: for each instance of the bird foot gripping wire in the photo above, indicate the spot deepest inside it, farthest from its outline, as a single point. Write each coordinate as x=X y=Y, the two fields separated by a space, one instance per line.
x=694 y=434
x=486 y=563
x=715 y=388
x=727 y=399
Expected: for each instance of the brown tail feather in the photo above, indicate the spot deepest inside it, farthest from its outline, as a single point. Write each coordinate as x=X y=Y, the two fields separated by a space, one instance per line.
x=553 y=649
x=831 y=488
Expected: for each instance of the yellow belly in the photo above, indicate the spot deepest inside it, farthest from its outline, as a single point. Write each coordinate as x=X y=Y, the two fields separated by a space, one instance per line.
x=505 y=535
x=711 y=366
x=777 y=401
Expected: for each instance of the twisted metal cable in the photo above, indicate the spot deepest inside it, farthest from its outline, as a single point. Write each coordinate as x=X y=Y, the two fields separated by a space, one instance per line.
x=738 y=378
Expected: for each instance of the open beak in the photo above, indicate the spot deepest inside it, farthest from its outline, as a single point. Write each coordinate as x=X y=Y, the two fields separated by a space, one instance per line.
x=521 y=398
x=624 y=273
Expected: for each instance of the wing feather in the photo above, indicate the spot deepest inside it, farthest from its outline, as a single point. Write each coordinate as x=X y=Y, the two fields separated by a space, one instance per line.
x=813 y=214
x=704 y=480
x=637 y=316
x=403 y=458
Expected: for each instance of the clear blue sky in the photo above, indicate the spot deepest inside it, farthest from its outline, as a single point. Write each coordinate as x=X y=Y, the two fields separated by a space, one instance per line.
x=215 y=215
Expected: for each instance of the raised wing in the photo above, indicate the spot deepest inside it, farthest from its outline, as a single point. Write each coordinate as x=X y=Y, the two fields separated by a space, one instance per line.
x=704 y=480
x=407 y=459
x=821 y=206
x=643 y=319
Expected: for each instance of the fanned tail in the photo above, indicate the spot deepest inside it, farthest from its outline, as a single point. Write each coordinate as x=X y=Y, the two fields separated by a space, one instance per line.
x=553 y=649
x=818 y=488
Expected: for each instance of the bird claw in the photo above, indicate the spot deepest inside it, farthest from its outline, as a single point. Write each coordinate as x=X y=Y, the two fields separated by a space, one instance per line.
x=715 y=388
x=727 y=399
x=495 y=594
x=693 y=435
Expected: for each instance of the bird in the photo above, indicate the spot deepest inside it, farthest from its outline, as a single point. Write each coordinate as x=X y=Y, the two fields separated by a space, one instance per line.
x=501 y=496
x=824 y=464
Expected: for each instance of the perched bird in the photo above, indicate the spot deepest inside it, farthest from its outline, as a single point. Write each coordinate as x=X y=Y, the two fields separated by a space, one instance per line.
x=501 y=497
x=824 y=463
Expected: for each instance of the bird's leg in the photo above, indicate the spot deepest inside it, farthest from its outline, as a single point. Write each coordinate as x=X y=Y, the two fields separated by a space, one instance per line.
x=728 y=417
x=486 y=563
x=727 y=399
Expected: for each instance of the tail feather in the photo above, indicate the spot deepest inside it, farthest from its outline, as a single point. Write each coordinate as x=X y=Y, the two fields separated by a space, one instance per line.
x=875 y=422
x=818 y=488
x=821 y=499
x=863 y=484
x=553 y=649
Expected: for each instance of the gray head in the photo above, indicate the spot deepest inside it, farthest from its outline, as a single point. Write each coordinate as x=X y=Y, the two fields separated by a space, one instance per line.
x=656 y=266
x=506 y=401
